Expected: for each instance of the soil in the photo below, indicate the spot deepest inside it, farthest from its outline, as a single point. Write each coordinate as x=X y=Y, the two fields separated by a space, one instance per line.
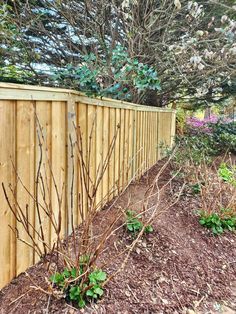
x=179 y=268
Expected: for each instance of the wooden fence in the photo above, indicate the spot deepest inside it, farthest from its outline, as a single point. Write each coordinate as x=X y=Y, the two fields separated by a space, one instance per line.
x=25 y=109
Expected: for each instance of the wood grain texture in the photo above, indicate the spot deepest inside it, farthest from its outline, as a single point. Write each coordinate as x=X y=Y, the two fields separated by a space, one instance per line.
x=25 y=167
x=56 y=114
x=105 y=145
x=82 y=178
x=7 y=175
x=99 y=154
x=59 y=167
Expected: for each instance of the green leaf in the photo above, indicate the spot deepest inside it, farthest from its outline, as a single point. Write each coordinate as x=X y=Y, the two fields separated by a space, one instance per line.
x=219 y=229
x=66 y=273
x=98 y=291
x=89 y=293
x=74 y=293
x=130 y=227
x=101 y=276
x=202 y=221
x=149 y=229
x=97 y=275
x=57 y=278
x=74 y=273
x=81 y=303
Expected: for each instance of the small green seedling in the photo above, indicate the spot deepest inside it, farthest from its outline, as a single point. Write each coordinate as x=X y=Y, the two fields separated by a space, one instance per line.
x=196 y=188
x=79 y=287
x=134 y=223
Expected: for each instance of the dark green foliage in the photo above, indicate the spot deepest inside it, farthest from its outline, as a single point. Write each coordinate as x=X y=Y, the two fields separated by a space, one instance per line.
x=80 y=288
x=122 y=79
x=196 y=188
x=202 y=147
x=194 y=149
x=224 y=137
x=218 y=223
x=134 y=223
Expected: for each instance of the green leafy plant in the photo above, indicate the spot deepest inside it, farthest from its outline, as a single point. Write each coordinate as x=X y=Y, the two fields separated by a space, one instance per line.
x=78 y=287
x=228 y=174
x=218 y=222
x=224 y=136
x=200 y=146
x=134 y=223
x=194 y=149
x=123 y=78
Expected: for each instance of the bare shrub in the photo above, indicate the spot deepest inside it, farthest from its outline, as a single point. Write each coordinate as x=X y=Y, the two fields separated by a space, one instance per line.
x=74 y=264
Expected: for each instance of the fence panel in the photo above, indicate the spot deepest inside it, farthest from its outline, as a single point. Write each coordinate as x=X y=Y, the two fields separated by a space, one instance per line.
x=37 y=132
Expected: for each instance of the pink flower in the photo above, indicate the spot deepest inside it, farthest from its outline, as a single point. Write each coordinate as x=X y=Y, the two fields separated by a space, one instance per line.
x=204 y=125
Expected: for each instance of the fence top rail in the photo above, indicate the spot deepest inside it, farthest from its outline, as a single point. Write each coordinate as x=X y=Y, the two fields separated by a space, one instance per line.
x=11 y=91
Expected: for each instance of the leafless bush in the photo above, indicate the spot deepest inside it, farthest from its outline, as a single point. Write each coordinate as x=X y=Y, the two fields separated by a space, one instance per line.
x=85 y=246
x=215 y=193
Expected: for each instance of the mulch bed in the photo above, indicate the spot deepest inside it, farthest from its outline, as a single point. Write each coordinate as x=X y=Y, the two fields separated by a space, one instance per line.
x=178 y=267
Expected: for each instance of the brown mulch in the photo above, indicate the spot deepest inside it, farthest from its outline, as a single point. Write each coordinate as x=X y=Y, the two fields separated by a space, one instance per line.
x=179 y=266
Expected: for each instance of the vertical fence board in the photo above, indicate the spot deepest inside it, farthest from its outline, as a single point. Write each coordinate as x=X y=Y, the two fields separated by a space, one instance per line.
x=25 y=150
x=116 y=151
x=134 y=145
x=149 y=137
x=141 y=159
x=7 y=175
x=173 y=126
x=72 y=166
x=144 y=139
x=105 y=141
x=99 y=154
x=43 y=157
x=59 y=178
x=91 y=147
x=126 y=147
x=131 y=151
x=156 y=135
x=152 y=133
x=82 y=124
x=111 y=167
x=122 y=145
x=137 y=157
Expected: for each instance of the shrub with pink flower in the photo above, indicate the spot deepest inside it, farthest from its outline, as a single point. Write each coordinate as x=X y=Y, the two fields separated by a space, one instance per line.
x=195 y=125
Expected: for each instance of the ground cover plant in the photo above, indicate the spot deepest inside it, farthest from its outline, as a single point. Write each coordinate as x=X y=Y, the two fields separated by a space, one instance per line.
x=134 y=223
x=218 y=195
x=210 y=175
x=219 y=222
x=75 y=288
x=227 y=173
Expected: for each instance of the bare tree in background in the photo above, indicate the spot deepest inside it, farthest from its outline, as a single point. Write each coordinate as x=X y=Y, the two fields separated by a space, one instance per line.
x=191 y=44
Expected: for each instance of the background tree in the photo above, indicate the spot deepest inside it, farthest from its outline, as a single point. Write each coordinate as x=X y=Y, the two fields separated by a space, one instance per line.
x=192 y=45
